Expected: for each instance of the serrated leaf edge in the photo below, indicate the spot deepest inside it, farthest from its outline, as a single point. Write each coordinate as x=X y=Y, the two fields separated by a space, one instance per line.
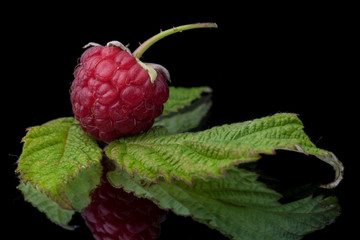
x=64 y=201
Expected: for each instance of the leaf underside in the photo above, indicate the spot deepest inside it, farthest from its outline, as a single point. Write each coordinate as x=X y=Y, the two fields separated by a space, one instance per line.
x=53 y=211
x=180 y=97
x=188 y=118
x=159 y=155
x=237 y=205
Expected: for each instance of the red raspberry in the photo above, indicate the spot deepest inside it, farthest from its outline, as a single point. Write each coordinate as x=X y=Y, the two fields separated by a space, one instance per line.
x=113 y=94
x=114 y=214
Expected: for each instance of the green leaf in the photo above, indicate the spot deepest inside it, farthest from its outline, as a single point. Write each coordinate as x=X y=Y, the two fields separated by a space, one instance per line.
x=180 y=97
x=52 y=210
x=186 y=156
x=78 y=190
x=187 y=116
x=57 y=153
x=237 y=205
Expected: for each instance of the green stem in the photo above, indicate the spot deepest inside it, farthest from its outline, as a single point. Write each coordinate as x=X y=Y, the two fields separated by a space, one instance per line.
x=148 y=43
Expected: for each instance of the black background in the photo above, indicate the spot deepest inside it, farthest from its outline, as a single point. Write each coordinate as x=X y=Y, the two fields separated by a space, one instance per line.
x=263 y=59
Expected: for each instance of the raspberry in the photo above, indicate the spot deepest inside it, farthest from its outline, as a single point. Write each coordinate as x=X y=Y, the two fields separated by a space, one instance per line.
x=113 y=94
x=116 y=214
